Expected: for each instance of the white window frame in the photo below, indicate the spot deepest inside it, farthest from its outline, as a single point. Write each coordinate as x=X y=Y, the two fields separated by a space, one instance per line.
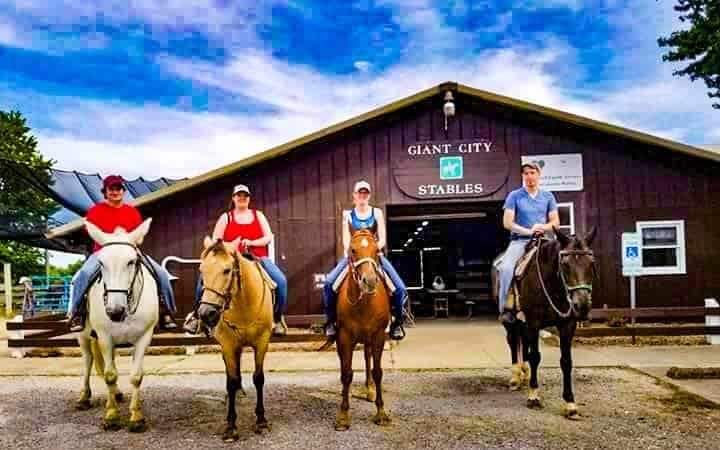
x=571 y=206
x=680 y=268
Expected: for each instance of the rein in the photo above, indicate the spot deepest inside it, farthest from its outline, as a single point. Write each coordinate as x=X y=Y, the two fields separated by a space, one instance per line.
x=132 y=305
x=568 y=289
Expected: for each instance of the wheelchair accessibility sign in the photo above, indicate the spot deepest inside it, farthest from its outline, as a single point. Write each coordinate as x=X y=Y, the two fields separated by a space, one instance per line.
x=631 y=254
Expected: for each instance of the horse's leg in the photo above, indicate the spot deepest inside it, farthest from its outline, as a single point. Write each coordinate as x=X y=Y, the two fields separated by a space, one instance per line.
x=261 y=423
x=533 y=342
x=231 y=356
x=516 y=372
x=566 y=335
x=112 y=415
x=369 y=383
x=381 y=417
x=345 y=348
x=84 y=403
x=137 y=423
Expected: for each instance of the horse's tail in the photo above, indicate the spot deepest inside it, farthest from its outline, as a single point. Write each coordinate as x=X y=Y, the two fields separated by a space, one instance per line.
x=330 y=341
x=97 y=357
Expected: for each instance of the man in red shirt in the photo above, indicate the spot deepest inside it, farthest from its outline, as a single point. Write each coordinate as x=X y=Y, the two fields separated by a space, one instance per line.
x=108 y=215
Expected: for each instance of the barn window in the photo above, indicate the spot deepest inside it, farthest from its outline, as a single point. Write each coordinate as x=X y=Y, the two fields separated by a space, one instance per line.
x=663 y=247
x=566 y=211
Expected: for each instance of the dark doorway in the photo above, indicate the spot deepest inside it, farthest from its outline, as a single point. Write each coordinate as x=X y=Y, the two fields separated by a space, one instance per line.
x=455 y=241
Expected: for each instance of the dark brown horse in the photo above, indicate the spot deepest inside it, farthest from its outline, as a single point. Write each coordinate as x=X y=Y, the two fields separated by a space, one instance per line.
x=363 y=314
x=556 y=290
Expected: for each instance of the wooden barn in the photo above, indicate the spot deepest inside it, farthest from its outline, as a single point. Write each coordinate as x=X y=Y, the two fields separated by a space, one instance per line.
x=441 y=179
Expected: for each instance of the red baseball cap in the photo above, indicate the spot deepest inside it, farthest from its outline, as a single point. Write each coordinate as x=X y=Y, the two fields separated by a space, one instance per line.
x=113 y=180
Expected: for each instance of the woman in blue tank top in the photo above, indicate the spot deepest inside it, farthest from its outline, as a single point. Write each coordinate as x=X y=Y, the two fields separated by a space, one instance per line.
x=364 y=216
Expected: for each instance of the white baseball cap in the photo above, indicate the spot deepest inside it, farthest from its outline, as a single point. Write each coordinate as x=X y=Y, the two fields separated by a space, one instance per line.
x=362 y=185
x=241 y=188
x=25 y=279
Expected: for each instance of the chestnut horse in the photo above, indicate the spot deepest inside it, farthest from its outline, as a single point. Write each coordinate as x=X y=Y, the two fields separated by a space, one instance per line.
x=363 y=314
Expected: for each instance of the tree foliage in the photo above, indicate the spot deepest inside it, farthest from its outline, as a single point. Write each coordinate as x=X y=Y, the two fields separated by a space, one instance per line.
x=699 y=44
x=22 y=208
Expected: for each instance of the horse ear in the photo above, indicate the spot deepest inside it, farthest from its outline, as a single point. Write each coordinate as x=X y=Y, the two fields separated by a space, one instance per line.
x=207 y=242
x=562 y=237
x=590 y=237
x=138 y=234
x=96 y=234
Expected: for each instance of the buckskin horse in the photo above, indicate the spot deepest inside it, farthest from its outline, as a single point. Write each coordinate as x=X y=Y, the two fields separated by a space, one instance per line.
x=363 y=314
x=237 y=305
x=122 y=310
x=556 y=290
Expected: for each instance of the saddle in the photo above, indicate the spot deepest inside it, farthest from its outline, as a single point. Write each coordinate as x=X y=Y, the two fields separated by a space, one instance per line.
x=386 y=278
x=530 y=249
x=263 y=273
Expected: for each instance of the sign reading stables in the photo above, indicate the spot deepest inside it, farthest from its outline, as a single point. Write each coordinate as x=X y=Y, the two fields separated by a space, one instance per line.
x=450 y=169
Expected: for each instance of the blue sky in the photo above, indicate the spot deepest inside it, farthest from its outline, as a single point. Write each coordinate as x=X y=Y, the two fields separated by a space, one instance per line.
x=176 y=88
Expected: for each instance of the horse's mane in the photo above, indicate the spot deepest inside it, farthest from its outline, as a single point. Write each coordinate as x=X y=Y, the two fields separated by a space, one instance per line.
x=217 y=247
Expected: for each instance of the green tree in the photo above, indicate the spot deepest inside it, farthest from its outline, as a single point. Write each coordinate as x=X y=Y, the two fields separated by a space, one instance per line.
x=68 y=270
x=699 y=44
x=22 y=208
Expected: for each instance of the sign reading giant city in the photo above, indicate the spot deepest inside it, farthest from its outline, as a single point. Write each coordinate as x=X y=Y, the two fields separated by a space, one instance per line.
x=450 y=169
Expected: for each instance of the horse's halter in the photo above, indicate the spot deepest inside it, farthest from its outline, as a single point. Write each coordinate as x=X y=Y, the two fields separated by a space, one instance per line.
x=568 y=289
x=129 y=291
x=227 y=295
x=354 y=265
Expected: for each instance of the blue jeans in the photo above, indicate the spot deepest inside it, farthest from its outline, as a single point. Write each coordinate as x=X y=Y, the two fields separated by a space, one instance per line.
x=274 y=272
x=506 y=269
x=397 y=300
x=90 y=269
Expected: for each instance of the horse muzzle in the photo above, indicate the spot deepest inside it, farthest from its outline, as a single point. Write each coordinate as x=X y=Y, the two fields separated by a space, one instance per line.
x=116 y=313
x=582 y=303
x=209 y=314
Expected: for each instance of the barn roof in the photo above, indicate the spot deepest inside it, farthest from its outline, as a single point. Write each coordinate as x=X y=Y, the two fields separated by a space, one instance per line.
x=395 y=106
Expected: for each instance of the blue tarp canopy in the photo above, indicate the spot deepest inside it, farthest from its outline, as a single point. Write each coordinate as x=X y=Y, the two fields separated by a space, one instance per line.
x=75 y=192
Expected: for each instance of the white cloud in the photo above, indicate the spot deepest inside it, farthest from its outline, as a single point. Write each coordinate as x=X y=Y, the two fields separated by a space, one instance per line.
x=362 y=66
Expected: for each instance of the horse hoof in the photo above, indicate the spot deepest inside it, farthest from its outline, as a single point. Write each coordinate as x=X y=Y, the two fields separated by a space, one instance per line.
x=83 y=405
x=138 y=426
x=230 y=435
x=261 y=427
x=113 y=424
x=342 y=424
x=570 y=412
x=119 y=397
x=381 y=419
x=534 y=403
x=514 y=384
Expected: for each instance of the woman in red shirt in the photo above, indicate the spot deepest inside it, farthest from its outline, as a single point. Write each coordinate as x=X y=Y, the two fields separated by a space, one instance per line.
x=249 y=231
x=108 y=215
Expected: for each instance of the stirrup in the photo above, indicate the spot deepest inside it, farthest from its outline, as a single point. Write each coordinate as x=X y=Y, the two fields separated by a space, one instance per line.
x=508 y=316
x=76 y=323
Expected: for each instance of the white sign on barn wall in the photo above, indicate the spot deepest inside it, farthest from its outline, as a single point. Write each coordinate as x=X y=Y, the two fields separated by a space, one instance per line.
x=559 y=172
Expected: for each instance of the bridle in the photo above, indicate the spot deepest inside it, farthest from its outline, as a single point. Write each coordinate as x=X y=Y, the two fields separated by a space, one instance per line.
x=355 y=273
x=129 y=298
x=568 y=289
x=227 y=295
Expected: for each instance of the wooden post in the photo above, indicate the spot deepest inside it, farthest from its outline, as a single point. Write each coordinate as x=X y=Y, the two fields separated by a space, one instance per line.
x=7 y=273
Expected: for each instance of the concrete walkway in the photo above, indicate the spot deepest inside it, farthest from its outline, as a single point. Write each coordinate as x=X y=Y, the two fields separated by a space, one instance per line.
x=439 y=344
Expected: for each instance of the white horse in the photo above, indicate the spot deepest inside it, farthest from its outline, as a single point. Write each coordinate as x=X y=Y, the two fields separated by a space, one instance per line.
x=122 y=309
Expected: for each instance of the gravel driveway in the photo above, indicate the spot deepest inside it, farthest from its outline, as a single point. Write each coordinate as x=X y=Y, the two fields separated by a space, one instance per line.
x=460 y=409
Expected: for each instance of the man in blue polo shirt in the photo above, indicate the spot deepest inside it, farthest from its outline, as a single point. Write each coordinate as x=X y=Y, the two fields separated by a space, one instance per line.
x=528 y=211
